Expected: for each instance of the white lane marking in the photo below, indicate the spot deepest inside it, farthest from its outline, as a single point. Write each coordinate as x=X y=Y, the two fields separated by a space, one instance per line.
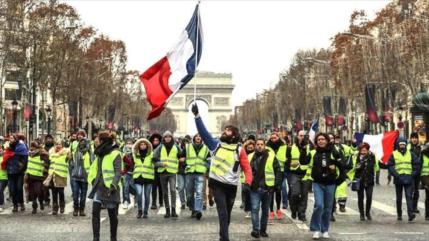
x=352 y=233
x=382 y=207
x=6 y=211
x=299 y=224
x=409 y=233
x=102 y=219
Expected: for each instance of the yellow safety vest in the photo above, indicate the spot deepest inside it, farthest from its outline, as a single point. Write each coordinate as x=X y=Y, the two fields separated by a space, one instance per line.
x=194 y=162
x=145 y=169
x=107 y=168
x=280 y=155
x=171 y=160
x=425 y=166
x=223 y=160
x=269 y=168
x=58 y=164
x=295 y=153
x=3 y=173
x=35 y=166
x=403 y=163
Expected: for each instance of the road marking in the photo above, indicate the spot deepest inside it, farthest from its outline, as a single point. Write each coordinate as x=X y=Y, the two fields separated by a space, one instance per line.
x=299 y=224
x=409 y=233
x=382 y=207
x=7 y=211
x=102 y=219
x=352 y=233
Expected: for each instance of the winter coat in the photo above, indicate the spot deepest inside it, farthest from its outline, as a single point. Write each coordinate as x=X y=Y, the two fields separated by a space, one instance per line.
x=404 y=179
x=320 y=171
x=365 y=169
x=79 y=172
x=136 y=154
x=44 y=156
x=17 y=163
x=258 y=172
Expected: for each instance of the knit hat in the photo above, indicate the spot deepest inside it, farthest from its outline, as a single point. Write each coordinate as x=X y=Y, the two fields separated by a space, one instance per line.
x=401 y=141
x=167 y=133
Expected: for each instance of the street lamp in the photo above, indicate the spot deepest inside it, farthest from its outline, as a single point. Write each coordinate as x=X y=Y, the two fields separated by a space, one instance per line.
x=15 y=114
x=49 y=114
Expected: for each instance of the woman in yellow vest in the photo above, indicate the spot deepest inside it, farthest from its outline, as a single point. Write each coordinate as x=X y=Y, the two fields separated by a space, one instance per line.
x=3 y=181
x=143 y=175
x=105 y=175
x=34 y=174
x=424 y=175
x=58 y=172
x=166 y=158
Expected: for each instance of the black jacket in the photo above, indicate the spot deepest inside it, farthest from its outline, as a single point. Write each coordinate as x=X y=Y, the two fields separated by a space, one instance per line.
x=321 y=173
x=257 y=164
x=302 y=159
x=365 y=170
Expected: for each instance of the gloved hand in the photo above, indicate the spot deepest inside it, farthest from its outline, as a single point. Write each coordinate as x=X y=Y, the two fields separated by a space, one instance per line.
x=194 y=109
x=246 y=188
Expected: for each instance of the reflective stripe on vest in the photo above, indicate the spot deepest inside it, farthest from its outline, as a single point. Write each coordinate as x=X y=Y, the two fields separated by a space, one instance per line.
x=425 y=166
x=145 y=169
x=171 y=160
x=3 y=173
x=58 y=165
x=269 y=168
x=223 y=160
x=310 y=167
x=281 y=156
x=295 y=154
x=35 y=166
x=403 y=163
x=107 y=168
x=194 y=162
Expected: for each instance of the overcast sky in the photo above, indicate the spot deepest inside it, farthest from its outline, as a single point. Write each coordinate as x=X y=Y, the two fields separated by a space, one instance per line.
x=253 y=40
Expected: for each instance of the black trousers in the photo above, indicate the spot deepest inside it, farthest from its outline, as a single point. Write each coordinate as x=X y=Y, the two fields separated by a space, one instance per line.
x=156 y=189
x=224 y=199
x=416 y=193
x=35 y=188
x=365 y=191
x=298 y=194
x=409 y=189
x=278 y=198
x=113 y=218
x=58 y=193
x=427 y=204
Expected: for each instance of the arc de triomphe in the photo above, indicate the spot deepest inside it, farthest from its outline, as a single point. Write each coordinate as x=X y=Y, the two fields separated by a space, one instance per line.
x=214 y=92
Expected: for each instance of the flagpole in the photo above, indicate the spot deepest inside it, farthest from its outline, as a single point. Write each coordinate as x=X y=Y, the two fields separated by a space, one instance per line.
x=196 y=53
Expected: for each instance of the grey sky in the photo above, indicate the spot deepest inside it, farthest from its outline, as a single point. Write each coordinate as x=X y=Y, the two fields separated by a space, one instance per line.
x=253 y=40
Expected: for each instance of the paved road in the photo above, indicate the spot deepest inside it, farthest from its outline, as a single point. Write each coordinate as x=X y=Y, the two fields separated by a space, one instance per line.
x=25 y=226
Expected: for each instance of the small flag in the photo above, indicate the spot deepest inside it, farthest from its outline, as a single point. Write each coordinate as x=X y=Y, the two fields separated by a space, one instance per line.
x=171 y=73
x=371 y=109
x=313 y=130
x=381 y=145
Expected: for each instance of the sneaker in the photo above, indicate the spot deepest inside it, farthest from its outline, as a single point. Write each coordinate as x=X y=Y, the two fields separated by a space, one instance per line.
x=263 y=234
x=271 y=216
x=255 y=234
x=316 y=235
x=1 y=209
x=248 y=215
x=153 y=207
x=139 y=214
x=125 y=205
x=325 y=235
x=343 y=209
x=279 y=214
x=411 y=217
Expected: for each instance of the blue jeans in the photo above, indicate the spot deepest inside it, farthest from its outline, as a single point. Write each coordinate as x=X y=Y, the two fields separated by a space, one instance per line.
x=323 y=201
x=194 y=191
x=409 y=189
x=181 y=186
x=284 y=192
x=79 y=193
x=128 y=188
x=16 y=188
x=147 y=191
x=260 y=200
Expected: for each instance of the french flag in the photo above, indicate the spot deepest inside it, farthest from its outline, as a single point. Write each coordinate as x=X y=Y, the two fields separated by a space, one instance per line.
x=171 y=73
x=381 y=145
x=313 y=130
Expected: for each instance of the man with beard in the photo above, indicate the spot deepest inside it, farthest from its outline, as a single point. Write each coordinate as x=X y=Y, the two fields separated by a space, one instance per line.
x=276 y=145
x=296 y=169
x=166 y=158
x=196 y=154
x=155 y=140
x=224 y=175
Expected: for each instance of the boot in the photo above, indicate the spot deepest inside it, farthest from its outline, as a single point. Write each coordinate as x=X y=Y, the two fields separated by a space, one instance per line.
x=15 y=209
x=54 y=209
x=173 y=213
x=42 y=206
x=22 y=207
x=167 y=213
x=362 y=217
x=75 y=212
x=62 y=206
x=34 y=211
x=342 y=208
x=139 y=214
x=82 y=212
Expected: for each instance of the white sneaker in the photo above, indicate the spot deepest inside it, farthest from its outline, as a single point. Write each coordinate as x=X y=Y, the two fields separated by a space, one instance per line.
x=325 y=235
x=316 y=235
x=248 y=215
x=1 y=209
x=125 y=205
